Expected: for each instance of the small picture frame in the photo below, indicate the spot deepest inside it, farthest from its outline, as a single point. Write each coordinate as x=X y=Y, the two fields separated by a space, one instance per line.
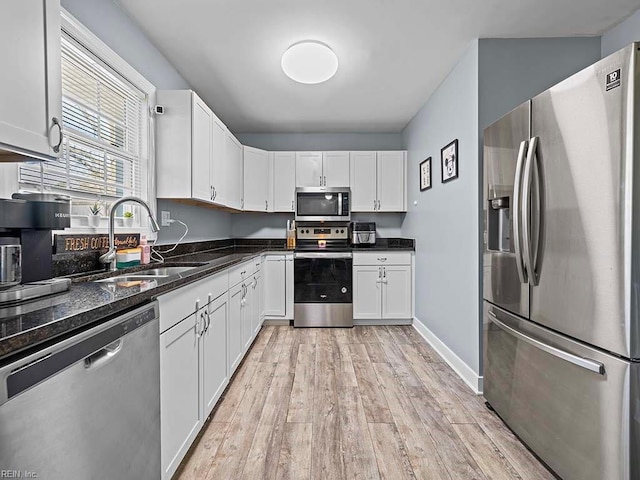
x=425 y=175
x=449 y=161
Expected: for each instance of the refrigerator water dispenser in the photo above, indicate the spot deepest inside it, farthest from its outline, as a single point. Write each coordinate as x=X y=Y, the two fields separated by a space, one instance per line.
x=499 y=238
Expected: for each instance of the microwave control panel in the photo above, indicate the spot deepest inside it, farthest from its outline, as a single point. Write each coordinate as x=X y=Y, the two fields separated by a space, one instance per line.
x=323 y=233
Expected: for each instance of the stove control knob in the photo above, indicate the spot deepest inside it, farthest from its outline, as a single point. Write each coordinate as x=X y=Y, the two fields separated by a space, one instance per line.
x=337 y=231
x=342 y=231
x=307 y=231
x=344 y=290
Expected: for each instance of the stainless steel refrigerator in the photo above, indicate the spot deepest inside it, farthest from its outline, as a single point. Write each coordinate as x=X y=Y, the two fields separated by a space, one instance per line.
x=562 y=271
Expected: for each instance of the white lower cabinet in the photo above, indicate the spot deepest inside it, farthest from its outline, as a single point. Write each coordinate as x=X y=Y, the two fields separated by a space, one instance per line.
x=214 y=352
x=278 y=286
x=381 y=290
x=236 y=299
x=256 y=304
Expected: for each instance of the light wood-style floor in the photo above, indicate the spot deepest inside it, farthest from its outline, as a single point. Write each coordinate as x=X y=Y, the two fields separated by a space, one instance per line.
x=361 y=403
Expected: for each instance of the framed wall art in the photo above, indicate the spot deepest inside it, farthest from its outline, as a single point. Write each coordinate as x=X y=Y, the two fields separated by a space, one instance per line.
x=449 y=161
x=425 y=175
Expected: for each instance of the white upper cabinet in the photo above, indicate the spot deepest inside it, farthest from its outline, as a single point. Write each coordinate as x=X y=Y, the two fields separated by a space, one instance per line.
x=202 y=121
x=392 y=181
x=30 y=87
x=257 y=173
x=322 y=169
x=217 y=178
x=309 y=169
x=335 y=169
x=233 y=162
x=379 y=181
x=284 y=181
x=364 y=196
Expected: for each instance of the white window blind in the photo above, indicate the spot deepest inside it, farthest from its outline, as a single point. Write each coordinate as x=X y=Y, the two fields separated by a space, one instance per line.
x=102 y=117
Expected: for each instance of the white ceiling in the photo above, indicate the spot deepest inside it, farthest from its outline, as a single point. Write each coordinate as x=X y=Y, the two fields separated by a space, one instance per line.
x=392 y=53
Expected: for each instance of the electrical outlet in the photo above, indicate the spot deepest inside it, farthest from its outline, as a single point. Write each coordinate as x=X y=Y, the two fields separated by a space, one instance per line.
x=165 y=218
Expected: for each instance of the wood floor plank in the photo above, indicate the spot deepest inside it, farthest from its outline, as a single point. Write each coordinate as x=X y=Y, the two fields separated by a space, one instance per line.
x=306 y=335
x=398 y=334
x=486 y=454
x=454 y=454
x=200 y=460
x=262 y=460
x=421 y=450
x=373 y=400
x=294 y=462
x=273 y=347
x=376 y=353
x=448 y=400
x=364 y=334
x=359 y=353
x=301 y=400
x=393 y=461
x=358 y=453
x=231 y=398
x=230 y=458
x=326 y=452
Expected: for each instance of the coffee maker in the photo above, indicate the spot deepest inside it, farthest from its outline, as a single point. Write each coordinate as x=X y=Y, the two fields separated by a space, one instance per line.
x=26 y=223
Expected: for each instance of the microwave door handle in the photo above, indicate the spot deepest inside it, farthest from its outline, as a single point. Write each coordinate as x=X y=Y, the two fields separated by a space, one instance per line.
x=339 y=204
x=517 y=197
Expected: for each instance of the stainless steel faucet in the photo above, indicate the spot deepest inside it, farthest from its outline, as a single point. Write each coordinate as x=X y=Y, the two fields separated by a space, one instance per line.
x=110 y=256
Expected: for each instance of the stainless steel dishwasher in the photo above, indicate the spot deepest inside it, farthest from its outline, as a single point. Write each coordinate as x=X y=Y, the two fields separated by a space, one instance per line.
x=86 y=407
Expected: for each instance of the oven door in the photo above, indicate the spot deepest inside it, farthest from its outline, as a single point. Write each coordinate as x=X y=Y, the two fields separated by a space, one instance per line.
x=323 y=289
x=322 y=204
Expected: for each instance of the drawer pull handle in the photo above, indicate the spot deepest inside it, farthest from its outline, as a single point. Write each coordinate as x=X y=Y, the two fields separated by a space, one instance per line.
x=585 y=363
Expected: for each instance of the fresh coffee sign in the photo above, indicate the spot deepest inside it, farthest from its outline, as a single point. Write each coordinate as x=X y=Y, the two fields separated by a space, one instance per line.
x=88 y=243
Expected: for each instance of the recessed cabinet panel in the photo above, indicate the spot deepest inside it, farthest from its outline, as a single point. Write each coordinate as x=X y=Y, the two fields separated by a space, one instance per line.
x=309 y=169
x=367 y=292
x=233 y=154
x=284 y=181
x=396 y=292
x=391 y=188
x=275 y=284
x=201 y=153
x=235 y=343
x=219 y=189
x=363 y=182
x=256 y=184
x=214 y=352
x=335 y=169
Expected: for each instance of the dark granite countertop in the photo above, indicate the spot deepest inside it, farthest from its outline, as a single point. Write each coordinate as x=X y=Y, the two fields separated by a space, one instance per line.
x=35 y=323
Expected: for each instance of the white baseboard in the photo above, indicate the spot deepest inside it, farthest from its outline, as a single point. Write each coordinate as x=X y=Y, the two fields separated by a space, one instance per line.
x=276 y=322
x=406 y=321
x=463 y=370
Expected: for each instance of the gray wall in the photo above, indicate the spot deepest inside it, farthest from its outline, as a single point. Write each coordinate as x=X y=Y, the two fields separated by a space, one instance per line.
x=621 y=35
x=204 y=223
x=510 y=71
x=445 y=220
x=322 y=141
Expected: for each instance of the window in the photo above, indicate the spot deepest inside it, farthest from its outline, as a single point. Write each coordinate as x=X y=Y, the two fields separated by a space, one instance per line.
x=105 y=149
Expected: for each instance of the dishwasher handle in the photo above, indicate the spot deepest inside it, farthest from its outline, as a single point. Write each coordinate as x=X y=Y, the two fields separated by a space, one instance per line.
x=103 y=356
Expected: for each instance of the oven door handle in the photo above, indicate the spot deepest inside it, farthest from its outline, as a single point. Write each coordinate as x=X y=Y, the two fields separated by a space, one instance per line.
x=323 y=255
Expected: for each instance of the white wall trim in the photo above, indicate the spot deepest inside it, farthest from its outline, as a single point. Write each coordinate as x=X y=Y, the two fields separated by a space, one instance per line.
x=463 y=370
x=383 y=321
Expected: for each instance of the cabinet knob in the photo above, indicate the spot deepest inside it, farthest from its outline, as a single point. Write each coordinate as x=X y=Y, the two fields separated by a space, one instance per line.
x=292 y=208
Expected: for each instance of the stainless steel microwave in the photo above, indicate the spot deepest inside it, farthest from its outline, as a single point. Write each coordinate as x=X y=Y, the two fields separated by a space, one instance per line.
x=323 y=204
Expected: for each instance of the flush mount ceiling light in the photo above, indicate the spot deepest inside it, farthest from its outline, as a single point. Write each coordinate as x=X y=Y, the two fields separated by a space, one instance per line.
x=309 y=62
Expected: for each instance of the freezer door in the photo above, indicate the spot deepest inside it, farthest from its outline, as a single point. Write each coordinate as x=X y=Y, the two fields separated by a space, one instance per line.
x=569 y=403
x=584 y=132
x=504 y=146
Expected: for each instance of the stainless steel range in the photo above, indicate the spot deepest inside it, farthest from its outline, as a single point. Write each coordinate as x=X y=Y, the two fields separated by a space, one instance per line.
x=322 y=276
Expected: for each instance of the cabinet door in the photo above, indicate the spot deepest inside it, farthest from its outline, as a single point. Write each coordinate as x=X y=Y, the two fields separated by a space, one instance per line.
x=30 y=88
x=233 y=167
x=274 y=286
x=256 y=175
x=214 y=353
x=363 y=182
x=201 y=150
x=284 y=181
x=396 y=291
x=335 y=169
x=180 y=415
x=219 y=189
x=289 y=293
x=234 y=345
x=256 y=304
x=367 y=292
x=247 y=312
x=392 y=180
x=309 y=169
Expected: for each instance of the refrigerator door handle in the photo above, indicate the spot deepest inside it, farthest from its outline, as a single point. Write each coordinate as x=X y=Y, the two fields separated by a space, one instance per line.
x=517 y=198
x=581 y=362
x=530 y=168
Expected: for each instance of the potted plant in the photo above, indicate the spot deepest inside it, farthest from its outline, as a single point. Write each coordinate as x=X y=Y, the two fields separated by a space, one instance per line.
x=94 y=218
x=127 y=219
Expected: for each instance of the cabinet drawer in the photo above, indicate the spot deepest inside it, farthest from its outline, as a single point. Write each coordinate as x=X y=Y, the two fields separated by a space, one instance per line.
x=241 y=272
x=180 y=303
x=382 y=258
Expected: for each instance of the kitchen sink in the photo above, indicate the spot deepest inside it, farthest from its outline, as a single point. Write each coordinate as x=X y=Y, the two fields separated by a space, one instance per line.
x=161 y=272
